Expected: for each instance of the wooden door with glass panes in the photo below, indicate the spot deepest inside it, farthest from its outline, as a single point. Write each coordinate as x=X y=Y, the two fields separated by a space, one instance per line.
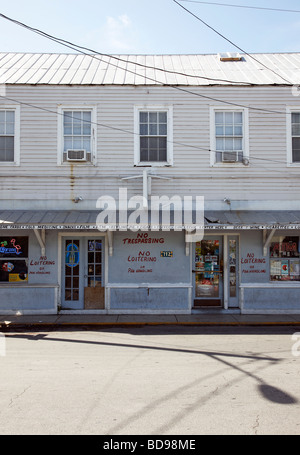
x=82 y=280
x=209 y=272
x=73 y=274
x=233 y=271
x=94 y=291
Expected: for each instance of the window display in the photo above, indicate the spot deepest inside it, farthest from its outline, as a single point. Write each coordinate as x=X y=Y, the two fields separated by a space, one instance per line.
x=13 y=259
x=284 y=259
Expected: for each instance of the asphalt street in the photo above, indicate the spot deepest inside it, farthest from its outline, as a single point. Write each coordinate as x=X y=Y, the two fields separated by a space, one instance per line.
x=150 y=381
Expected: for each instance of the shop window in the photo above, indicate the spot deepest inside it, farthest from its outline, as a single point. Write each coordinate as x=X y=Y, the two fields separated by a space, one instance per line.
x=284 y=259
x=13 y=259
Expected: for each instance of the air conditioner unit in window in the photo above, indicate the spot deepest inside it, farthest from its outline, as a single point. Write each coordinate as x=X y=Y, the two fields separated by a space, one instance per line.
x=229 y=157
x=76 y=155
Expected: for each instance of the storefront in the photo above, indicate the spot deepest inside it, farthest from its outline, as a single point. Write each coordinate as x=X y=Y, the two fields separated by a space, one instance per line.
x=63 y=266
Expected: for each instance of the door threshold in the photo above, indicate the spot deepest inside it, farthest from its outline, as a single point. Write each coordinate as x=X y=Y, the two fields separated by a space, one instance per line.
x=218 y=310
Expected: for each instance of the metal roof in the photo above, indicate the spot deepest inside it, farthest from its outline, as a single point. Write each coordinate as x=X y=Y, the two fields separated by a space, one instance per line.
x=86 y=219
x=185 y=70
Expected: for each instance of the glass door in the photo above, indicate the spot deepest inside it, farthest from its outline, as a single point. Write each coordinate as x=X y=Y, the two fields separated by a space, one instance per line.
x=209 y=272
x=233 y=272
x=72 y=279
x=94 y=288
x=82 y=273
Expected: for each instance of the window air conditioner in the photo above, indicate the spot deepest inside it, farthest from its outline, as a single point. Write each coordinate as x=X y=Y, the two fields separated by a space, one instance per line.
x=76 y=155
x=229 y=157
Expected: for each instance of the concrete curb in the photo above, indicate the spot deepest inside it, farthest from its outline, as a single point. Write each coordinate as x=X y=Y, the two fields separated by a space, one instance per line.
x=52 y=322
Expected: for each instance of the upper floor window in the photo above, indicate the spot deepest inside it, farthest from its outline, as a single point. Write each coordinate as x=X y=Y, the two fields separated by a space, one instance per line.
x=77 y=135
x=295 y=137
x=229 y=136
x=9 y=137
x=153 y=129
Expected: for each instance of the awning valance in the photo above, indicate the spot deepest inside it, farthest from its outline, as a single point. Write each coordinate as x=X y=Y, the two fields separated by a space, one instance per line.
x=87 y=220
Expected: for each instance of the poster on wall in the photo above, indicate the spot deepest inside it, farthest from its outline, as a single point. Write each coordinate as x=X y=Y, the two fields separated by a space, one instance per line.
x=294 y=267
x=284 y=267
x=13 y=259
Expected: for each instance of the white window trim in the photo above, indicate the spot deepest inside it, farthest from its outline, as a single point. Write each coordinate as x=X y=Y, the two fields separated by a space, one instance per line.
x=246 y=148
x=60 y=132
x=17 y=153
x=289 y=146
x=149 y=108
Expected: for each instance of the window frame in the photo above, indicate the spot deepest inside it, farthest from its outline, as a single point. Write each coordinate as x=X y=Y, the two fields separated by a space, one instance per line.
x=151 y=108
x=60 y=132
x=245 y=139
x=278 y=239
x=16 y=110
x=289 y=111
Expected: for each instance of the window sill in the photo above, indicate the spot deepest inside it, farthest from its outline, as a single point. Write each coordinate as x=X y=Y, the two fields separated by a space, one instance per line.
x=232 y=165
x=9 y=163
x=153 y=164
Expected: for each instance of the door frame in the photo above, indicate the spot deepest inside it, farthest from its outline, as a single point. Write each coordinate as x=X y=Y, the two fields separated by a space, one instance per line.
x=225 y=255
x=81 y=235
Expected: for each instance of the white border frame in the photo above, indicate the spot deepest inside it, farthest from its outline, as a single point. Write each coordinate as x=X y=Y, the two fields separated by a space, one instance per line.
x=246 y=142
x=153 y=108
x=60 y=142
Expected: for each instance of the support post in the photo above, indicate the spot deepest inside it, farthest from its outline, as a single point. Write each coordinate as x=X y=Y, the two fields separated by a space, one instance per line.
x=41 y=238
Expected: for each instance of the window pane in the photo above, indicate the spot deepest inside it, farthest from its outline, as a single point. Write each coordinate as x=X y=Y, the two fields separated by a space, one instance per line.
x=237 y=144
x=219 y=131
x=87 y=144
x=219 y=117
x=220 y=144
x=153 y=130
x=87 y=116
x=10 y=116
x=153 y=155
x=229 y=130
x=228 y=144
x=163 y=130
x=163 y=117
x=238 y=130
x=144 y=129
x=296 y=149
x=296 y=129
x=296 y=117
x=144 y=117
x=238 y=117
x=6 y=148
x=77 y=143
x=228 y=118
x=153 y=117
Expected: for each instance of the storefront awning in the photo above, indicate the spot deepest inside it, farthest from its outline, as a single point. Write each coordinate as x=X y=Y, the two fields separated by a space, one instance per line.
x=87 y=220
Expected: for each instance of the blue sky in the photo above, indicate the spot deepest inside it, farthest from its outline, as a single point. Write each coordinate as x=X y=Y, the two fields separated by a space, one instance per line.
x=150 y=26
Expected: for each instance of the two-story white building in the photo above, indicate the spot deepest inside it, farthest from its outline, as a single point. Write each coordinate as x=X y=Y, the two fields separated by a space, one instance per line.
x=105 y=162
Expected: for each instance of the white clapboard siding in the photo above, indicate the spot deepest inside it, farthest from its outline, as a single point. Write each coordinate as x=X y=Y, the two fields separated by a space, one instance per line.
x=39 y=177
